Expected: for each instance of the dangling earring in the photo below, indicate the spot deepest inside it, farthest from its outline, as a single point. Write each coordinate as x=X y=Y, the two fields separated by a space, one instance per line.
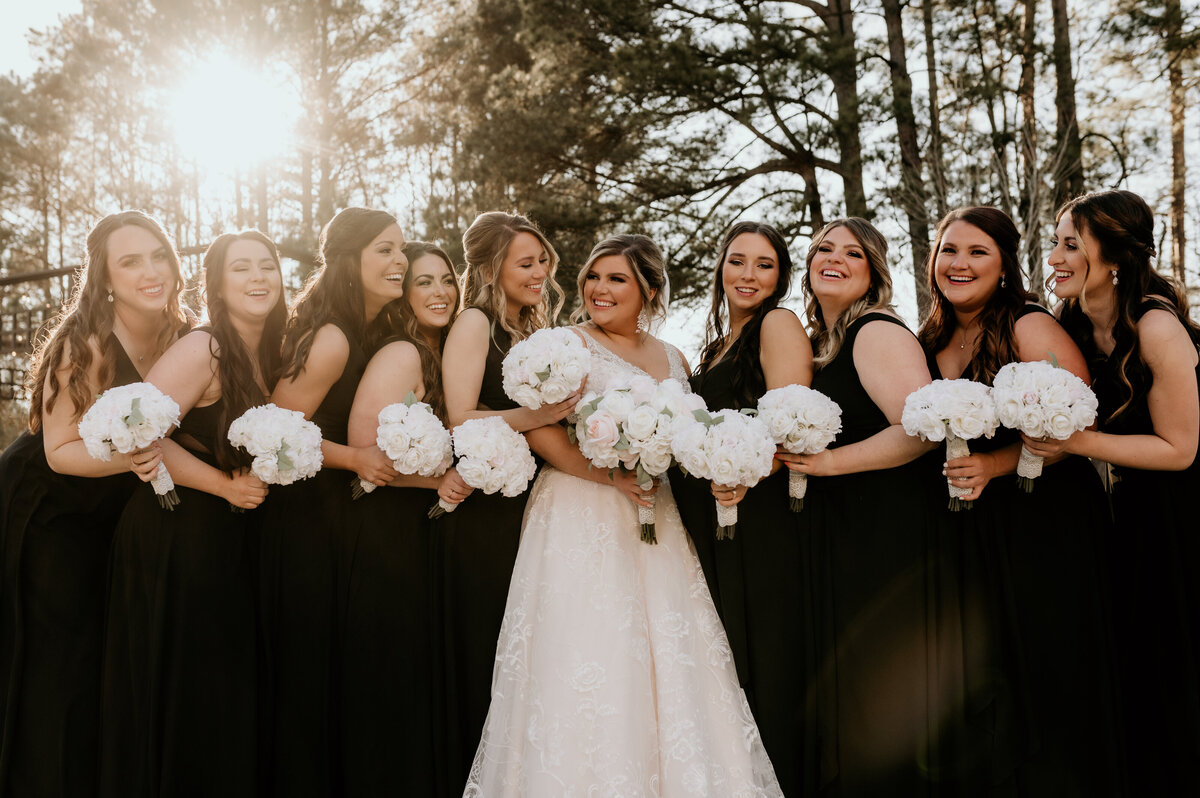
x=1003 y=280
x=1114 y=275
x=110 y=299
x=643 y=322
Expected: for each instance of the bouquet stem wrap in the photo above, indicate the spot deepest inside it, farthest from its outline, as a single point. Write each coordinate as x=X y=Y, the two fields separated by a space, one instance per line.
x=957 y=447
x=726 y=521
x=797 y=487
x=1029 y=468
x=164 y=488
x=646 y=521
x=441 y=508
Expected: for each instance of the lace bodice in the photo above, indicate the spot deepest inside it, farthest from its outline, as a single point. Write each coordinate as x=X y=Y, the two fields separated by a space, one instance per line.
x=610 y=370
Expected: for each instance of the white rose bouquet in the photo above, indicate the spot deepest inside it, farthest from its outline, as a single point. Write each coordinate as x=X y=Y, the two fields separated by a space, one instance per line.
x=955 y=411
x=631 y=427
x=492 y=457
x=545 y=368
x=127 y=418
x=413 y=438
x=286 y=447
x=1041 y=400
x=728 y=448
x=802 y=421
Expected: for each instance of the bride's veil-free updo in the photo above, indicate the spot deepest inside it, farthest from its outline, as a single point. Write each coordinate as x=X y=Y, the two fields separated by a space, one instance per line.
x=649 y=268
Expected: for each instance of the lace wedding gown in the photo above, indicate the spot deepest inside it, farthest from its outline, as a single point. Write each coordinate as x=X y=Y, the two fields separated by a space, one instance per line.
x=613 y=675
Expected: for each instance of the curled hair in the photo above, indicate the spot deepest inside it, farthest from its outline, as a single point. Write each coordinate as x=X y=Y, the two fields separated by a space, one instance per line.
x=235 y=364
x=88 y=316
x=402 y=324
x=485 y=246
x=827 y=341
x=649 y=269
x=334 y=292
x=749 y=382
x=998 y=317
x=1123 y=225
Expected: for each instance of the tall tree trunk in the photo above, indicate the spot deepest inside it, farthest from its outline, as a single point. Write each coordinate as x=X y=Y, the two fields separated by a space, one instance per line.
x=937 y=172
x=325 y=129
x=1068 y=179
x=913 y=197
x=1173 y=18
x=842 y=61
x=262 y=197
x=1030 y=203
x=307 y=234
x=237 y=198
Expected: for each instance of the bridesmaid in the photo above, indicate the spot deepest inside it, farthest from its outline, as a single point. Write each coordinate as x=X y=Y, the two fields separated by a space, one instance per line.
x=1132 y=325
x=391 y=734
x=866 y=523
x=179 y=708
x=508 y=293
x=58 y=506
x=1023 y=568
x=324 y=353
x=761 y=600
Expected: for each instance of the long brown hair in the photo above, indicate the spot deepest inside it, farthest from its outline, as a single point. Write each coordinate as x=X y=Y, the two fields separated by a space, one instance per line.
x=485 y=245
x=334 y=292
x=235 y=370
x=87 y=316
x=1123 y=225
x=749 y=382
x=998 y=318
x=827 y=341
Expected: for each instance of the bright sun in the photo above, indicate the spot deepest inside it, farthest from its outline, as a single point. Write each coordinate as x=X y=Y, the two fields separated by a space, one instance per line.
x=227 y=115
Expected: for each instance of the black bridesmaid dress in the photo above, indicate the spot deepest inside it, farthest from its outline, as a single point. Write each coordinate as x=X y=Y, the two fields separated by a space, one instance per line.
x=55 y=533
x=761 y=595
x=874 y=698
x=1155 y=560
x=299 y=544
x=1020 y=578
x=476 y=547
x=180 y=645
x=390 y=732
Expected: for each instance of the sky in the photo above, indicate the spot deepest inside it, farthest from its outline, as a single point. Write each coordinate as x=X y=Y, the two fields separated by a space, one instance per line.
x=19 y=16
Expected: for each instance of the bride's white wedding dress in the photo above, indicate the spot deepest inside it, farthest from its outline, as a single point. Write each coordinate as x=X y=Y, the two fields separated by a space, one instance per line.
x=613 y=675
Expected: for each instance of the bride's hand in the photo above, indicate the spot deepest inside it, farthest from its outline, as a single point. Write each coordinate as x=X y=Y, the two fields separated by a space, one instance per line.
x=728 y=495
x=552 y=414
x=626 y=482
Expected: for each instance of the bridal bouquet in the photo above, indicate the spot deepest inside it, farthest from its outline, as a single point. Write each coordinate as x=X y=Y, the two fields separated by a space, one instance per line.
x=955 y=411
x=131 y=417
x=413 y=438
x=631 y=427
x=1043 y=401
x=492 y=457
x=285 y=446
x=545 y=368
x=728 y=448
x=802 y=421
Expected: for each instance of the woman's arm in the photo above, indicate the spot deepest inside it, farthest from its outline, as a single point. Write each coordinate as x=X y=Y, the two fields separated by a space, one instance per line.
x=1174 y=404
x=784 y=350
x=463 y=361
x=890 y=365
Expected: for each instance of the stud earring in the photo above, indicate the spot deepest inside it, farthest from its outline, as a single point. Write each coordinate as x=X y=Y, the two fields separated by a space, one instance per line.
x=110 y=299
x=643 y=322
x=1114 y=276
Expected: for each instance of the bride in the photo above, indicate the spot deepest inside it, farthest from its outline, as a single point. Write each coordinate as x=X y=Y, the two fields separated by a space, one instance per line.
x=613 y=675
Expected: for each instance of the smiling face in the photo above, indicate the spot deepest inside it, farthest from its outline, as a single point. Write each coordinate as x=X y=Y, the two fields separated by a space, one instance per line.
x=382 y=265
x=749 y=273
x=1074 y=274
x=251 y=284
x=968 y=266
x=839 y=272
x=141 y=274
x=432 y=293
x=611 y=293
x=523 y=272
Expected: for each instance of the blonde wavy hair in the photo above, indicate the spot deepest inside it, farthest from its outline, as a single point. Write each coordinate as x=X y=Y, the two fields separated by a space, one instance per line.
x=485 y=246
x=827 y=341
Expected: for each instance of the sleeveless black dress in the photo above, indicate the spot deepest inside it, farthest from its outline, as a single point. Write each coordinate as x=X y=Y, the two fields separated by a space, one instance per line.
x=871 y=673
x=476 y=549
x=1020 y=580
x=1155 y=560
x=390 y=736
x=56 y=532
x=180 y=645
x=761 y=594
x=299 y=546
